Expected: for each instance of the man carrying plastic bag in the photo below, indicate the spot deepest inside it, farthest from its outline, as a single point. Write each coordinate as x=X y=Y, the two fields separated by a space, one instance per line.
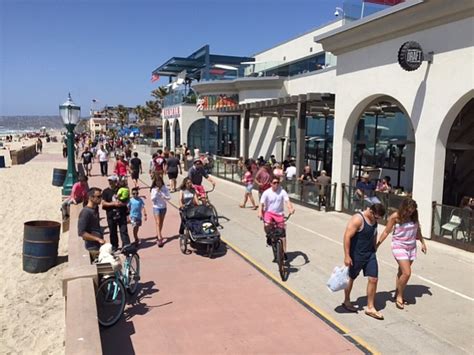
x=360 y=238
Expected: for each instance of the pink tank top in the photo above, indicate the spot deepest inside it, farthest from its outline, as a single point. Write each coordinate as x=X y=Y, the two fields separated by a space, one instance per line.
x=404 y=235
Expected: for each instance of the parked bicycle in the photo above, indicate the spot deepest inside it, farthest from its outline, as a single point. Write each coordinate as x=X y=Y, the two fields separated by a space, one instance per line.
x=274 y=238
x=111 y=295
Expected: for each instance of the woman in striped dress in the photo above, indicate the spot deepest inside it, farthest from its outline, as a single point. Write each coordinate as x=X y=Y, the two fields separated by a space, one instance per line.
x=405 y=230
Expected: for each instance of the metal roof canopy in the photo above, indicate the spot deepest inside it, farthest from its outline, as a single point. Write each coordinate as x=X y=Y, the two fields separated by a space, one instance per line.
x=197 y=61
x=287 y=102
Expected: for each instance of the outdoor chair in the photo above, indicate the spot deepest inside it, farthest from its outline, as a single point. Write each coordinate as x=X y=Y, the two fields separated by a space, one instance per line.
x=453 y=226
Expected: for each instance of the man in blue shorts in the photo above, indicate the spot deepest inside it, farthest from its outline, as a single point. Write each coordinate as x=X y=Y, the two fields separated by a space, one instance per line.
x=360 y=238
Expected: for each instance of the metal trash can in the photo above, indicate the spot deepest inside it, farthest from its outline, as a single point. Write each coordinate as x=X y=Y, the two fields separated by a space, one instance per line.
x=40 y=245
x=59 y=175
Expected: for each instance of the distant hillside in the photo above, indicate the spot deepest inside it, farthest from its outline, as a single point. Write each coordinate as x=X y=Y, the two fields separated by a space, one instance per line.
x=30 y=122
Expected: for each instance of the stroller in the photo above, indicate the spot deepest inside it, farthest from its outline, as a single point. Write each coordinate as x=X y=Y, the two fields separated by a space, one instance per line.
x=200 y=228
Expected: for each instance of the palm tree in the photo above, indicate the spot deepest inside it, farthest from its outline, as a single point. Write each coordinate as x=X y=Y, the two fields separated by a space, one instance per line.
x=160 y=93
x=122 y=115
x=142 y=113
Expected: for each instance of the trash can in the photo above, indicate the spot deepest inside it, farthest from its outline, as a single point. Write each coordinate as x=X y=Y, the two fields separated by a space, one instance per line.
x=2 y=161
x=59 y=175
x=40 y=245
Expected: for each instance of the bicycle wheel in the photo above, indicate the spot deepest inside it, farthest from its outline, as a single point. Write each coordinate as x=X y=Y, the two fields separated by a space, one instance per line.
x=281 y=260
x=110 y=299
x=132 y=273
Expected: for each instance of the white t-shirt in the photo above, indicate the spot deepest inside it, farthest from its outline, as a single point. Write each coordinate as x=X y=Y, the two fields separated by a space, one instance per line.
x=159 y=197
x=290 y=172
x=102 y=155
x=274 y=200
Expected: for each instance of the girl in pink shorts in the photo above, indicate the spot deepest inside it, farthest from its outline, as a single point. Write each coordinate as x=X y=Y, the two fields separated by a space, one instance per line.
x=405 y=231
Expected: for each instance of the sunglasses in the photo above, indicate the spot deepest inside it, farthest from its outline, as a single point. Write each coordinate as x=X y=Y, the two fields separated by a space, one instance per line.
x=275 y=182
x=98 y=196
x=376 y=216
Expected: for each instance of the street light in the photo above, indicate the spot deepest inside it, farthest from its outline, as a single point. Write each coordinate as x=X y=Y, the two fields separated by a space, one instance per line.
x=70 y=113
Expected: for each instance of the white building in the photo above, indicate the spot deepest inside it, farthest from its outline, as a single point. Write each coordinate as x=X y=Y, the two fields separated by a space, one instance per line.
x=363 y=111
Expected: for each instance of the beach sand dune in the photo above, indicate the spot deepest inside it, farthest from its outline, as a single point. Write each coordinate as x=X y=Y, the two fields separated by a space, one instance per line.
x=32 y=312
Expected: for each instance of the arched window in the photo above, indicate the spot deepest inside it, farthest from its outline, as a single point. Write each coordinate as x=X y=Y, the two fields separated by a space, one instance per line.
x=196 y=136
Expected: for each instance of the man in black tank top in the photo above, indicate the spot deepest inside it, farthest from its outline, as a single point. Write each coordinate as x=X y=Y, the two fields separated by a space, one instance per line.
x=360 y=238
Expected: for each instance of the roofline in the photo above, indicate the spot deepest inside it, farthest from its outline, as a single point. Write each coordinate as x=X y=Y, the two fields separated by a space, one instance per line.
x=298 y=36
x=377 y=15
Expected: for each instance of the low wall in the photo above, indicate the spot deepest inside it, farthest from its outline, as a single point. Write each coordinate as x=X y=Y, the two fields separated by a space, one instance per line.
x=82 y=327
x=23 y=155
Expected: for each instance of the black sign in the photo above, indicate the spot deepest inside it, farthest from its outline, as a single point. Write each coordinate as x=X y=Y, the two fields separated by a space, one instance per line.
x=410 y=55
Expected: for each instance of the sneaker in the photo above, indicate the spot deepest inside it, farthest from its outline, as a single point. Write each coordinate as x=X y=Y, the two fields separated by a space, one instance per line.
x=269 y=241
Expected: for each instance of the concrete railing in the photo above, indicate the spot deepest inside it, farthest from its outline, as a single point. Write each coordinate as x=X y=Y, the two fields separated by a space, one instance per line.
x=82 y=327
x=23 y=155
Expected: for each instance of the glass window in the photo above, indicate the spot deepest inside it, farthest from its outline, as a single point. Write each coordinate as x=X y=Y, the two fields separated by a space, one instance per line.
x=228 y=136
x=196 y=137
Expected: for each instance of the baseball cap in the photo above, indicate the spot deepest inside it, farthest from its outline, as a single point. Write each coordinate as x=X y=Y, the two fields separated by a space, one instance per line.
x=112 y=178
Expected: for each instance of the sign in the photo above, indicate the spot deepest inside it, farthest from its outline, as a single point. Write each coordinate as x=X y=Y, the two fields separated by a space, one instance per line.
x=213 y=102
x=410 y=56
x=172 y=112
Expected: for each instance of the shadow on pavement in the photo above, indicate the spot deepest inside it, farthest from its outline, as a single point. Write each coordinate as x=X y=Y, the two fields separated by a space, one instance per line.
x=202 y=250
x=292 y=255
x=147 y=242
x=137 y=304
x=412 y=292
x=117 y=339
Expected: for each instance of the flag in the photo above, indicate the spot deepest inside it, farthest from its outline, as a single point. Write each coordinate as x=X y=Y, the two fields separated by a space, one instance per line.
x=385 y=2
x=94 y=100
x=154 y=77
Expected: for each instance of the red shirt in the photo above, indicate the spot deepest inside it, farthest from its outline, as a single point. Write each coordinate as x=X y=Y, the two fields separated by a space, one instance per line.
x=121 y=168
x=79 y=191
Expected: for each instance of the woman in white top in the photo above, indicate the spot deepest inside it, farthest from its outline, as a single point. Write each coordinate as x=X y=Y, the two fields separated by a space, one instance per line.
x=159 y=195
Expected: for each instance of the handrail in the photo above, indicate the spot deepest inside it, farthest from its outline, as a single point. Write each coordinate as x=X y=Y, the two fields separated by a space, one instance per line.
x=82 y=328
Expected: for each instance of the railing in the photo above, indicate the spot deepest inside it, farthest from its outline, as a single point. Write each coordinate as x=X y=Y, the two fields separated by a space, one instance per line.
x=453 y=226
x=307 y=195
x=352 y=203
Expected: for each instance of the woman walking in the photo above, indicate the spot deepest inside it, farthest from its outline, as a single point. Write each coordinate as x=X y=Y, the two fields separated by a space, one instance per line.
x=406 y=230
x=159 y=195
x=187 y=198
x=247 y=179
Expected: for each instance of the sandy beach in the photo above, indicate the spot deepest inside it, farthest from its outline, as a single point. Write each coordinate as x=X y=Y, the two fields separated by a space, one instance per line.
x=32 y=306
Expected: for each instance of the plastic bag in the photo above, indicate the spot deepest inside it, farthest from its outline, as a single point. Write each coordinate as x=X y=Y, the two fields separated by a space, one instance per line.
x=339 y=279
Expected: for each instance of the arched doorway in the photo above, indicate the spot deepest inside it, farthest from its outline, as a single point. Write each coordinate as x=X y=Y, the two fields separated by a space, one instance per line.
x=196 y=136
x=167 y=134
x=383 y=144
x=458 y=168
x=177 y=134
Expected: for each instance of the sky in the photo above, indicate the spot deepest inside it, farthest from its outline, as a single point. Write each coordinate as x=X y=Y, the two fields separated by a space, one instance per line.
x=106 y=49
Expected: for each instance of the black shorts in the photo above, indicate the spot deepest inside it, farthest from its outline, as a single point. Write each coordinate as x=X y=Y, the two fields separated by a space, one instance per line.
x=172 y=175
x=370 y=267
x=135 y=175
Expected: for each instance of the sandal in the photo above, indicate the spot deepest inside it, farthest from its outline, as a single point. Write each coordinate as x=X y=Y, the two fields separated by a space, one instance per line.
x=160 y=244
x=241 y=206
x=374 y=314
x=399 y=305
x=350 y=308
x=255 y=208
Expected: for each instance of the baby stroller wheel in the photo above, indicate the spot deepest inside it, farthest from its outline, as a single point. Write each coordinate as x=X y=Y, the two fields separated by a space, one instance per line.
x=210 y=250
x=183 y=243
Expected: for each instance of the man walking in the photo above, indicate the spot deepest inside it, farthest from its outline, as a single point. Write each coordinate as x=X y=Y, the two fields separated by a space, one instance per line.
x=116 y=213
x=87 y=161
x=103 y=156
x=359 y=254
x=135 y=168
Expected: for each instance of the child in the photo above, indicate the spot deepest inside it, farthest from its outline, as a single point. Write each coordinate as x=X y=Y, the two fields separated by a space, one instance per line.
x=136 y=206
x=123 y=193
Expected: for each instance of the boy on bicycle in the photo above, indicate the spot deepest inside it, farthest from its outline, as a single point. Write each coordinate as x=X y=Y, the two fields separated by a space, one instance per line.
x=272 y=208
x=196 y=173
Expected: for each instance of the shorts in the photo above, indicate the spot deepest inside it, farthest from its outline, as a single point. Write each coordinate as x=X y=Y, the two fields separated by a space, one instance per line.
x=249 y=188
x=159 y=211
x=269 y=217
x=370 y=267
x=172 y=175
x=199 y=190
x=401 y=252
x=135 y=175
x=135 y=222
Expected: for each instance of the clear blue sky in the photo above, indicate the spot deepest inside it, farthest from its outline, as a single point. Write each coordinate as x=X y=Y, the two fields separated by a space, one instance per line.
x=107 y=49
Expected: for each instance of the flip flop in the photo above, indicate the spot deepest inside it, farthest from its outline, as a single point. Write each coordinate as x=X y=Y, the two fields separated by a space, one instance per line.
x=349 y=308
x=375 y=315
x=399 y=305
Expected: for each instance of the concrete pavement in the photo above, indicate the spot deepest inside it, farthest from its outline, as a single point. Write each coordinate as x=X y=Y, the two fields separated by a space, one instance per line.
x=439 y=318
x=190 y=304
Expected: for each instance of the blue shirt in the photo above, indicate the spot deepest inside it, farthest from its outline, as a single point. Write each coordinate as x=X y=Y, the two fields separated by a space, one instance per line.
x=135 y=206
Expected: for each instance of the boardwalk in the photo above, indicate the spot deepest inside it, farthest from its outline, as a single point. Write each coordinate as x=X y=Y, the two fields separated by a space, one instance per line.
x=190 y=304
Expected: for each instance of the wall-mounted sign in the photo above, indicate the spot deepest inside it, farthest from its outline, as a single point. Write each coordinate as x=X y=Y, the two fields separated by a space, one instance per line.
x=172 y=112
x=410 y=56
x=213 y=102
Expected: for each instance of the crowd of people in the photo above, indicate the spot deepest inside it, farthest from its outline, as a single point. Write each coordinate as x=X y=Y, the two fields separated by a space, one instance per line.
x=124 y=206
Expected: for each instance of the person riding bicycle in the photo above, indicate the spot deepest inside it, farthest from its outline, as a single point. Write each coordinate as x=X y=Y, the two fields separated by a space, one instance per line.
x=196 y=173
x=272 y=208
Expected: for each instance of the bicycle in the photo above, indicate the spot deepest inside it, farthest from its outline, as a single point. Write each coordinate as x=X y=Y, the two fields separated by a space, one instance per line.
x=110 y=295
x=274 y=239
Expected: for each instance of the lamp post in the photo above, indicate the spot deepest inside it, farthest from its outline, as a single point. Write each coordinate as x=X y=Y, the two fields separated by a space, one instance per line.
x=70 y=113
